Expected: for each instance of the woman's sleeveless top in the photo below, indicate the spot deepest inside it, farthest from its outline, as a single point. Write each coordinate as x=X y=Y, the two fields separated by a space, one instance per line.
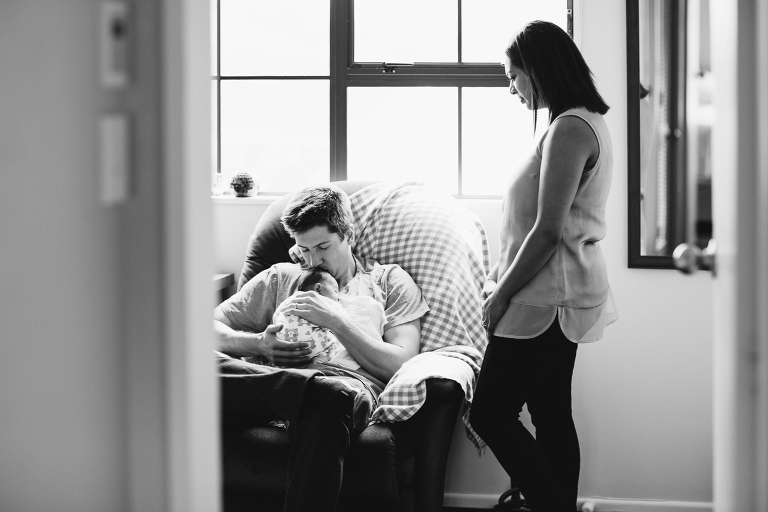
x=573 y=283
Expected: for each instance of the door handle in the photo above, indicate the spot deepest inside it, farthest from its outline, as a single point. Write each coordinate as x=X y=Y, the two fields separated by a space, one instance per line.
x=689 y=258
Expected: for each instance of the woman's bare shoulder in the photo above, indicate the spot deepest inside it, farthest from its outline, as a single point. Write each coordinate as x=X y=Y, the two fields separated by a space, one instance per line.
x=572 y=134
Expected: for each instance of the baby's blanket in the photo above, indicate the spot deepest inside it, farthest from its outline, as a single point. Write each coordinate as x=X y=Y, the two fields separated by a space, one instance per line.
x=443 y=246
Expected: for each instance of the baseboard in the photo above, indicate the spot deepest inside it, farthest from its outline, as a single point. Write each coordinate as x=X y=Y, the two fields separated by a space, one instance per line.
x=487 y=501
x=481 y=501
x=626 y=505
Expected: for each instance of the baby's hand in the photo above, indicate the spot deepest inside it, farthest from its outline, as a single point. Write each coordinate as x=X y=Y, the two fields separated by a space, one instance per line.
x=297 y=257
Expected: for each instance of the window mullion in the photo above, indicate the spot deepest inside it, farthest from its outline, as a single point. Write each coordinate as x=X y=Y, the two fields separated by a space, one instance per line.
x=459 y=142
x=458 y=28
x=459 y=58
x=218 y=87
x=340 y=59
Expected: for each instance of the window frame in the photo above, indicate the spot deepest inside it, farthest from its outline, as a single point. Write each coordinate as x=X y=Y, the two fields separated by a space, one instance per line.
x=345 y=73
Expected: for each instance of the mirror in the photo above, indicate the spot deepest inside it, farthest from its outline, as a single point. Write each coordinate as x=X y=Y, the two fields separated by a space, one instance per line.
x=670 y=112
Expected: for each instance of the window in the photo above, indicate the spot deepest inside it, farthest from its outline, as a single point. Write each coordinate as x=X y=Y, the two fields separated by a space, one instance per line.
x=310 y=90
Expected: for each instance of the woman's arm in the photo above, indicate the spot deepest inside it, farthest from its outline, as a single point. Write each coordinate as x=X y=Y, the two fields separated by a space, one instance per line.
x=491 y=281
x=569 y=148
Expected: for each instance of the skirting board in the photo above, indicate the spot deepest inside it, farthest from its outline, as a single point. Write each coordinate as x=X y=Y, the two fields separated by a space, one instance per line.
x=487 y=501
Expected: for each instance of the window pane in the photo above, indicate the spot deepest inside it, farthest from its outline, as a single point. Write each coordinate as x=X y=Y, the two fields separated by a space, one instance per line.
x=214 y=36
x=406 y=31
x=497 y=136
x=487 y=25
x=275 y=37
x=403 y=134
x=277 y=131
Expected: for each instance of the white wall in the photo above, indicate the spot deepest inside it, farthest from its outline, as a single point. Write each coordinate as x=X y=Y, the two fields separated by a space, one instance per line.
x=61 y=373
x=81 y=385
x=642 y=396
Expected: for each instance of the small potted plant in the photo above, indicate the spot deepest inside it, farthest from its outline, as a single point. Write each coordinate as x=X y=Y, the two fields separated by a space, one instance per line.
x=242 y=184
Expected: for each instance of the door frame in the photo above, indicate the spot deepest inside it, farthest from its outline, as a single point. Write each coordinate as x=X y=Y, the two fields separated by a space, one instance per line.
x=740 y=207
x=191 y=387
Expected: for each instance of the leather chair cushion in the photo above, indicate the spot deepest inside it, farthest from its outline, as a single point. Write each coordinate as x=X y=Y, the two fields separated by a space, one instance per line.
x=379 y=462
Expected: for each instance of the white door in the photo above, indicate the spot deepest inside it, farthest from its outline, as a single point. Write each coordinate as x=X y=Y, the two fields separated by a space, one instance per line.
x=740 y=209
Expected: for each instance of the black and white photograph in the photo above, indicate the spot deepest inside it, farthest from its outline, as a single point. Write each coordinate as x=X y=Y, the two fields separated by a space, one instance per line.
x=384 y=255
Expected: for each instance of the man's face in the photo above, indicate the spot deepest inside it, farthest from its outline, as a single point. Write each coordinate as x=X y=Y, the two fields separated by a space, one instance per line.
x=325 y=250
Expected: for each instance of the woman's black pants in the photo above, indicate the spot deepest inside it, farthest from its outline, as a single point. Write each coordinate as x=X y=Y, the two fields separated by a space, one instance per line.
x=537 y=372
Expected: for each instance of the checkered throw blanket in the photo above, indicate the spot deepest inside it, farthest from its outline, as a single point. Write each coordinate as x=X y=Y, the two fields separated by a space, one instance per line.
x=443 y=246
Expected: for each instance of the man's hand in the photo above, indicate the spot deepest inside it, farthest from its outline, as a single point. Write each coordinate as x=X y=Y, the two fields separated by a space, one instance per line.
x=264 y=344
x=321 y=311
x=282 y=353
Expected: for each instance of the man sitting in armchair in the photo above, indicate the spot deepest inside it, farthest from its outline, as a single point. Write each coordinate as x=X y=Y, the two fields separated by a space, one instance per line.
x=323 y=403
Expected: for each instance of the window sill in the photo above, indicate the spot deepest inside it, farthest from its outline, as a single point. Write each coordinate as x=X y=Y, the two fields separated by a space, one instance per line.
x=258 y=199
x=269 y=199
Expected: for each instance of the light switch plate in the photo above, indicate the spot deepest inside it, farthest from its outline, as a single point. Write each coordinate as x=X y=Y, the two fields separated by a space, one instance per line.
x=114 y=139
x=115 y=34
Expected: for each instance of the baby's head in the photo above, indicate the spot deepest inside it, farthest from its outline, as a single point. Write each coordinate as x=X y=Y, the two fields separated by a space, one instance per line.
x=320 y=281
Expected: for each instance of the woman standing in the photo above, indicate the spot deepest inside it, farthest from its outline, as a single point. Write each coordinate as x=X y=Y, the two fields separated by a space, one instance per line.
x=549 y=291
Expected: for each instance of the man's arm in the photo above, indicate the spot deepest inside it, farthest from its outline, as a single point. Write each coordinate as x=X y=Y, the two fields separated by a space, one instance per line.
x=402 y=341
x=382 y=360
x=244 y=344
x=238 y=323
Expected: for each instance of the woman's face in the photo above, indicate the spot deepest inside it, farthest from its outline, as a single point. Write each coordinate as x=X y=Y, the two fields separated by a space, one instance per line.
x=519 y=85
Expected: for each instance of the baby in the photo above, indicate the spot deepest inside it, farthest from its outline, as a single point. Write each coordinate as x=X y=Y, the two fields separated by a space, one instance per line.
x=365 y=312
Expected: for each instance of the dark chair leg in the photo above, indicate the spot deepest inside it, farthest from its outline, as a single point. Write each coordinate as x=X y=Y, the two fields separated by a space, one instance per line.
x=431 y=431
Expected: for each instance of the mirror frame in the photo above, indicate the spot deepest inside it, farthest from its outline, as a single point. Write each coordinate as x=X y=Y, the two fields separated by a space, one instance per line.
x=635 y=259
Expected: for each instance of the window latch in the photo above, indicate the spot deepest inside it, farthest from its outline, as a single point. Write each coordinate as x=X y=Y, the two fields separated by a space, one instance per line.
x=391 y=67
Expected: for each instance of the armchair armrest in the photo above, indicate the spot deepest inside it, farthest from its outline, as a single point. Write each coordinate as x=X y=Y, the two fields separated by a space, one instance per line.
x=431 y=432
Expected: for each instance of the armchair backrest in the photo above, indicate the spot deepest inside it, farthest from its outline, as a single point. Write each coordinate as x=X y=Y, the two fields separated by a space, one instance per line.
x=431 y=235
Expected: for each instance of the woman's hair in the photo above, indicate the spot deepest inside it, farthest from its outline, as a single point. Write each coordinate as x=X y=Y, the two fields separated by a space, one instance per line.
x=319 y=206
x=560 y=78
x=309 y=278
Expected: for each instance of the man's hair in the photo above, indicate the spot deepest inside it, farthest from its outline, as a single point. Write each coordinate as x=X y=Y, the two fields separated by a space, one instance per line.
x=558 y=74
x=309 y=278
x=319 y=206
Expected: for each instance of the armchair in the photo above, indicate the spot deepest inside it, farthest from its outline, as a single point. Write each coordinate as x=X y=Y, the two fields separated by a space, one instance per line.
x=393 y=467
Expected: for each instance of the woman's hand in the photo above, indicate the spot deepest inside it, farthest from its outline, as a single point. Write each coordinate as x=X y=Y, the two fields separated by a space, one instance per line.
x=493 y=310
x=488 y=288
x=315 y=308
